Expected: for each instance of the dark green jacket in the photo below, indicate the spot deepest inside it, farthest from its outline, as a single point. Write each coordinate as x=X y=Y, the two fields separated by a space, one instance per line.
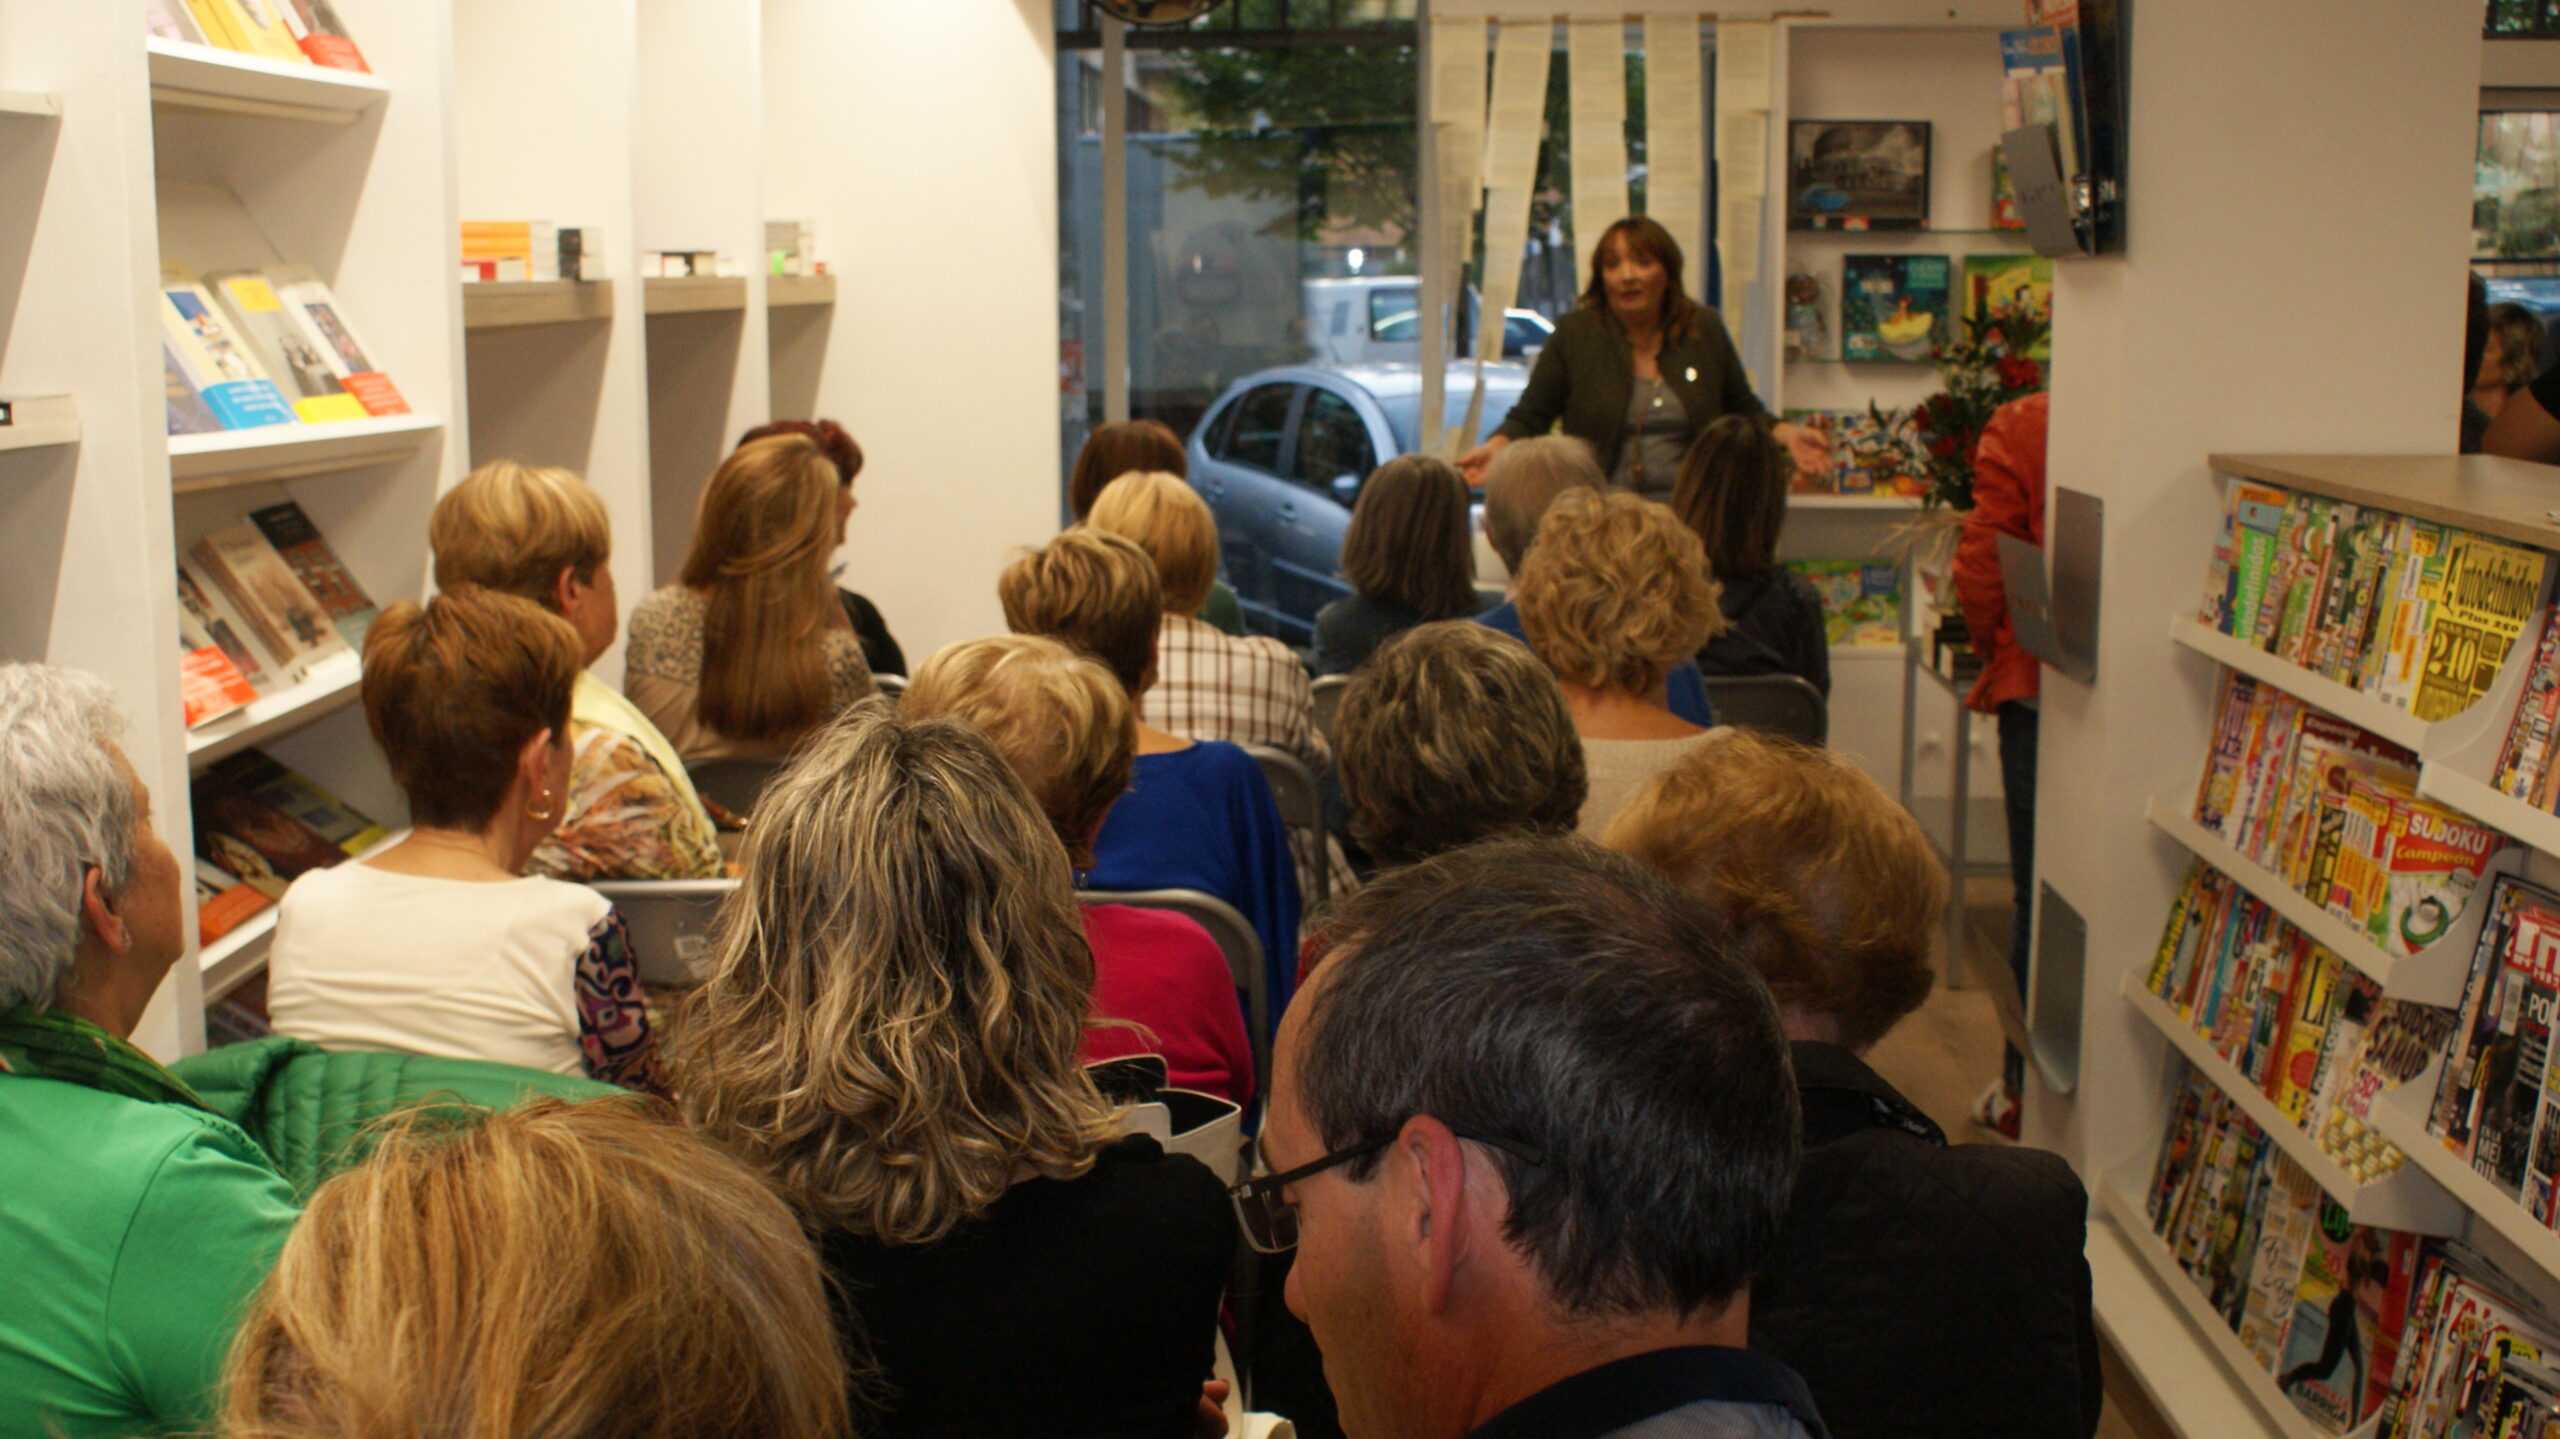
x=311 y=1108
x=1586 y=378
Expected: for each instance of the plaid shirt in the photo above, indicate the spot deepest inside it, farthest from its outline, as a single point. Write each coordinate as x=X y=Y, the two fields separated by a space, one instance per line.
x=1245 y=691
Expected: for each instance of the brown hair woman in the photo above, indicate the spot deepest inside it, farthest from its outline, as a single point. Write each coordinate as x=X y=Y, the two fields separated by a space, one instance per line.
x=1408 y=558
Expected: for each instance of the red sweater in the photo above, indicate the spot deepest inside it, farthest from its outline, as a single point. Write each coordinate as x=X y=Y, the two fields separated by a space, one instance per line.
x=1163 y=971
x=2008 y=499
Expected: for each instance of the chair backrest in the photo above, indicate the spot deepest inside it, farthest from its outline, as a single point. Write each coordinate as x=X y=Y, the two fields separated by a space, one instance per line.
x=891 y=685
x=1780 y=704
x=735 y=782
x=1328 y=697
x=1301 y=805
x=670 y=922
x=1235 y=939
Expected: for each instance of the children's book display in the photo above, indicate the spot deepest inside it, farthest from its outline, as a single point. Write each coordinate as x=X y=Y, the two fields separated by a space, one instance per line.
x=259 y=826
x=1861 y=599
x=246 y=348
x=291 y=32
x=1893 y=307
x=259 y=603
x=1994 y=284
x=2418 y=615
x=1867 y=458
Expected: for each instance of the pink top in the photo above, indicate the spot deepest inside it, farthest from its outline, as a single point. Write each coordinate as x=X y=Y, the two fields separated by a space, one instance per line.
x=1163 y=971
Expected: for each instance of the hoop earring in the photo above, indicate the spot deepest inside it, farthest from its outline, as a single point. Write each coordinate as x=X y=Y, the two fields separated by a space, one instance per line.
x=539 y=815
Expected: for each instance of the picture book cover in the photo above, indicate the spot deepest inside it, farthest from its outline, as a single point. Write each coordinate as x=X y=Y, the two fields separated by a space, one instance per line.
x=1857 y=174
x=322 y=36
x=1866 y=457
x=216 y=366
x=1993 y=283
x=324 y=321
x=2490 y=590
x=297 y=539
x=283 y=350
x=286 y=621
x=1894 y=307
x=1861 y=599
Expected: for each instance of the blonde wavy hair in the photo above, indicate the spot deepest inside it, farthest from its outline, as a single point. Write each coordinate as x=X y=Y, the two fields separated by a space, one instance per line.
x=1830 y=887
x=1057 y=716
x=1614 y=592
x=762 y=534
x=899 y=987
x=1173 y=525
x=587 y=1269
x=514 y=527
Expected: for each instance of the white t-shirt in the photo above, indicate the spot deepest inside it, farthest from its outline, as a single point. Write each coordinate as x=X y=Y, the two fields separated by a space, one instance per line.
x=1617 y=770
x=367 y=959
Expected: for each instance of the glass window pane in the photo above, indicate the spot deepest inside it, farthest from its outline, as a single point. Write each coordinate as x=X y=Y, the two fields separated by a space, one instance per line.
x=1395 y=307
x=1262 y=416
x=1332 y=441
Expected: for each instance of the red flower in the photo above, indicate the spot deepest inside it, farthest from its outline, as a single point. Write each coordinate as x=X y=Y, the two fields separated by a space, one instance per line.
x=1945 y=446
x=2019 y=373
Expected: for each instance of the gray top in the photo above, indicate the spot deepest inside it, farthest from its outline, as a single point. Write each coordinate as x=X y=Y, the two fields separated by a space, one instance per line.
x=1657 y=436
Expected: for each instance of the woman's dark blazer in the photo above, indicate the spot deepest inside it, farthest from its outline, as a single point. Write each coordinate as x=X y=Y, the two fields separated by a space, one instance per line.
x=1586 y=377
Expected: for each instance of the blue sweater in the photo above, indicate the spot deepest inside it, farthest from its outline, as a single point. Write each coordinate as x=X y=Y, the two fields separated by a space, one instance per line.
x=1688 y=694
x=1202 y=818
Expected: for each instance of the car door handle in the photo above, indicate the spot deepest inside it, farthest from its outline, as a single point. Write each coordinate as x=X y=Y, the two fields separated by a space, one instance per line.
x=1288 y=511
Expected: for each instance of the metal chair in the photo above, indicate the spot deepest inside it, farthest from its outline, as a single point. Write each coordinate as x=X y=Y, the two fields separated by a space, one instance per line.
x=1235 y=939
x=891 y=685
x=1781 y=704
x=1301 y=804
x=1328 y=699
x=735 y=782
x=670 y=922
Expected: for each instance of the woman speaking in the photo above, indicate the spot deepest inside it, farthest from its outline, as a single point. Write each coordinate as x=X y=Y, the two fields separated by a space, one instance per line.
x=1637 y=370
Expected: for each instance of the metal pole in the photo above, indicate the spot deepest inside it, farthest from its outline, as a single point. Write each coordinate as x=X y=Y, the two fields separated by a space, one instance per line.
x=1431 y=243
x=1115 y=220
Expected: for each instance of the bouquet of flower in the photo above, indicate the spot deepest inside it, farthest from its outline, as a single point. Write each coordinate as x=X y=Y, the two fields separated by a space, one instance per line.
x=1985 y=369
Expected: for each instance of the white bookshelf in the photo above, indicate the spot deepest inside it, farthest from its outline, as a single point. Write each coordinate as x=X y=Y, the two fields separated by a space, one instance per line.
x=227 y=458
x=330 y=686
x=40 y=420
x=29 y=104
x=204 y=77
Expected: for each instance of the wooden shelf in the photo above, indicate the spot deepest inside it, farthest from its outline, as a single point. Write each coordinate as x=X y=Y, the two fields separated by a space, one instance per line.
x=2407 y=1198
x=240 y=954
x=2149 y=1330
x=2401 y=1117
x=509 y=304
x=290 y=452
x=2116 y=1196
x=2509 y=499
x=1853 y=502
x=2352 y=705
x=783 y=291
x=40 y=420
x=28 y=103
x=204 y=77
x=2433 y=975
x=331 y=685
x=693 y=294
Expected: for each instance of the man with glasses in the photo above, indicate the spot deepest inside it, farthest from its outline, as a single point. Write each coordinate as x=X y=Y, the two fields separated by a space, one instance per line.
x=1532 y=1128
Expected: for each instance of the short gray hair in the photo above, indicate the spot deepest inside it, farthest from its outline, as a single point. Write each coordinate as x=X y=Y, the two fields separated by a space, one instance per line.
x=64 y=806
x=1523 y=480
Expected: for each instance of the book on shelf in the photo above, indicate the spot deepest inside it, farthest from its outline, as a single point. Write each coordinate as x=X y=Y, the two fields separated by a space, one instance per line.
x=254 y=27
x=530 y=250
x=2035 y=87
x=1893 y=307
x=303 y=547
x=791 y=247
x=300 y=368
x=171 y=20
x=217 y=368
x=2490 y=589
x=212 y=21
x=259 y=776
x=209 y=685
x=323 y=321
x=2005 y=213
x=254 y=840
x=1861 y=599
x=284 y=619
x=223 y=902
x=1866 y=458
x=204 y=619
x=1993 y=283
x=321 y=35
x=188 y=412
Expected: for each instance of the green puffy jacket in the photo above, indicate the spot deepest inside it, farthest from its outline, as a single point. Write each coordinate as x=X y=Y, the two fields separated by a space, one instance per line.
x=312 y=1108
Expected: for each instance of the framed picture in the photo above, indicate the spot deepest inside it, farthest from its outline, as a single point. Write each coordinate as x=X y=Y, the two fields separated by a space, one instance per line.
x=1857 y=174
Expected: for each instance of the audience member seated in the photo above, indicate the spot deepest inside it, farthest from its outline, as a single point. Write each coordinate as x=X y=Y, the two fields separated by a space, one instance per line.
x=1451 y=734
x=1613 y=594
x=584 y=1269
x=441 y=944
x=1733 y=492
x=749 y=651
x=1160 y=983
x=1408 y=557
x=1831 y=891
x=880 y=649
x=2511 y=357
x=1129 y=447
x=542 y=534
x=1521 y=482
x=889 y=1033
x=1531 y=1133
x=1198 y=813
x=137 y=1223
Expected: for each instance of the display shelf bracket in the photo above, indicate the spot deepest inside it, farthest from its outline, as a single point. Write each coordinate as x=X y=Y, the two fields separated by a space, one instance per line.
x=511 y=304
x=2321 y=692
x=693 y=294
x=331 y=685
x=293 y=452
x=786 y=291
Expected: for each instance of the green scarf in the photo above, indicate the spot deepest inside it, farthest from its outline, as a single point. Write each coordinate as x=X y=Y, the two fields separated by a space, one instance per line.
x=53 y=1045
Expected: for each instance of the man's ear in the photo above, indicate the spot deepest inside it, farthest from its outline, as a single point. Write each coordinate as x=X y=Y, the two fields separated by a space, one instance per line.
x=1433 y=1215
x=98 y=912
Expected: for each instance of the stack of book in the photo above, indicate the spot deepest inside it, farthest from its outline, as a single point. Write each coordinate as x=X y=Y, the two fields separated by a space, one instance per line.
x=2280 y=1261
x=2497 y=1102
x=2418 y=615
x=2312 y=1033
x=2335 y=813
x=295 y=32
x=259 y=603
x=511 y=250
x=687 y=264
x=791 y=248
x=244 y=348
x=259 y=826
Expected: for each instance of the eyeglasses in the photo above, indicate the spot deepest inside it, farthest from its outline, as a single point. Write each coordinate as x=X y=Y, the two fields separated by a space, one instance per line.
x=1270 y=1218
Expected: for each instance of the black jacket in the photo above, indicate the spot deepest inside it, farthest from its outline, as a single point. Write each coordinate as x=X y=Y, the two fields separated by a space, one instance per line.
x=1773 y=626
x=1586 y=377
x=1925 y=1289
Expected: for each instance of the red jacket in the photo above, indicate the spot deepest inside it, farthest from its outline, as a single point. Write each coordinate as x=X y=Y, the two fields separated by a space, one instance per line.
x=2008 y=499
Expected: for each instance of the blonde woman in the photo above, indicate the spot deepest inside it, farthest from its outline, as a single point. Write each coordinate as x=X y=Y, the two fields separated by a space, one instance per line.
x=749 y=651
x=889 y=1032
x=1613 y=593
x=540 y=533
x=560 y=1269
x=1066 y=727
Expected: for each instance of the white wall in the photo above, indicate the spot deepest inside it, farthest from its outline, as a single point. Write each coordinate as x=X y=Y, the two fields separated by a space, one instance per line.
x=2279 y=151
x=1847 y=12
x=920 y=138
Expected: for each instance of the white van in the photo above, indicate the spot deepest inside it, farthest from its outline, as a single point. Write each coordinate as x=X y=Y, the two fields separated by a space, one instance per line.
x=1377 y=319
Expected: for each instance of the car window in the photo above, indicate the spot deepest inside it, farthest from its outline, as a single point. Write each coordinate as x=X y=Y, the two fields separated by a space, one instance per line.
x=1391 y=304
x=1332 y=441
x=1254 y=430
x=1519 y=333
x=1401 y=329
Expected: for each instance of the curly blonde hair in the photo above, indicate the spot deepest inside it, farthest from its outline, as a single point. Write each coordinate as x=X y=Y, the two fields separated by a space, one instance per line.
x=899 y=988
x=1173 y=525
x=1830 y=887
x=1055 y=714
x=1614 y=592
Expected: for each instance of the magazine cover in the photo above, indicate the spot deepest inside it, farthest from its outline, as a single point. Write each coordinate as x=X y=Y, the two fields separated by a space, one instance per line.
x=2490 y=590
x=2328 y=1349
x=297 y=539
x=287 y=354
x=1861 y=599
x=1993 y=283
x=325 y=322
x=1893 y=307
